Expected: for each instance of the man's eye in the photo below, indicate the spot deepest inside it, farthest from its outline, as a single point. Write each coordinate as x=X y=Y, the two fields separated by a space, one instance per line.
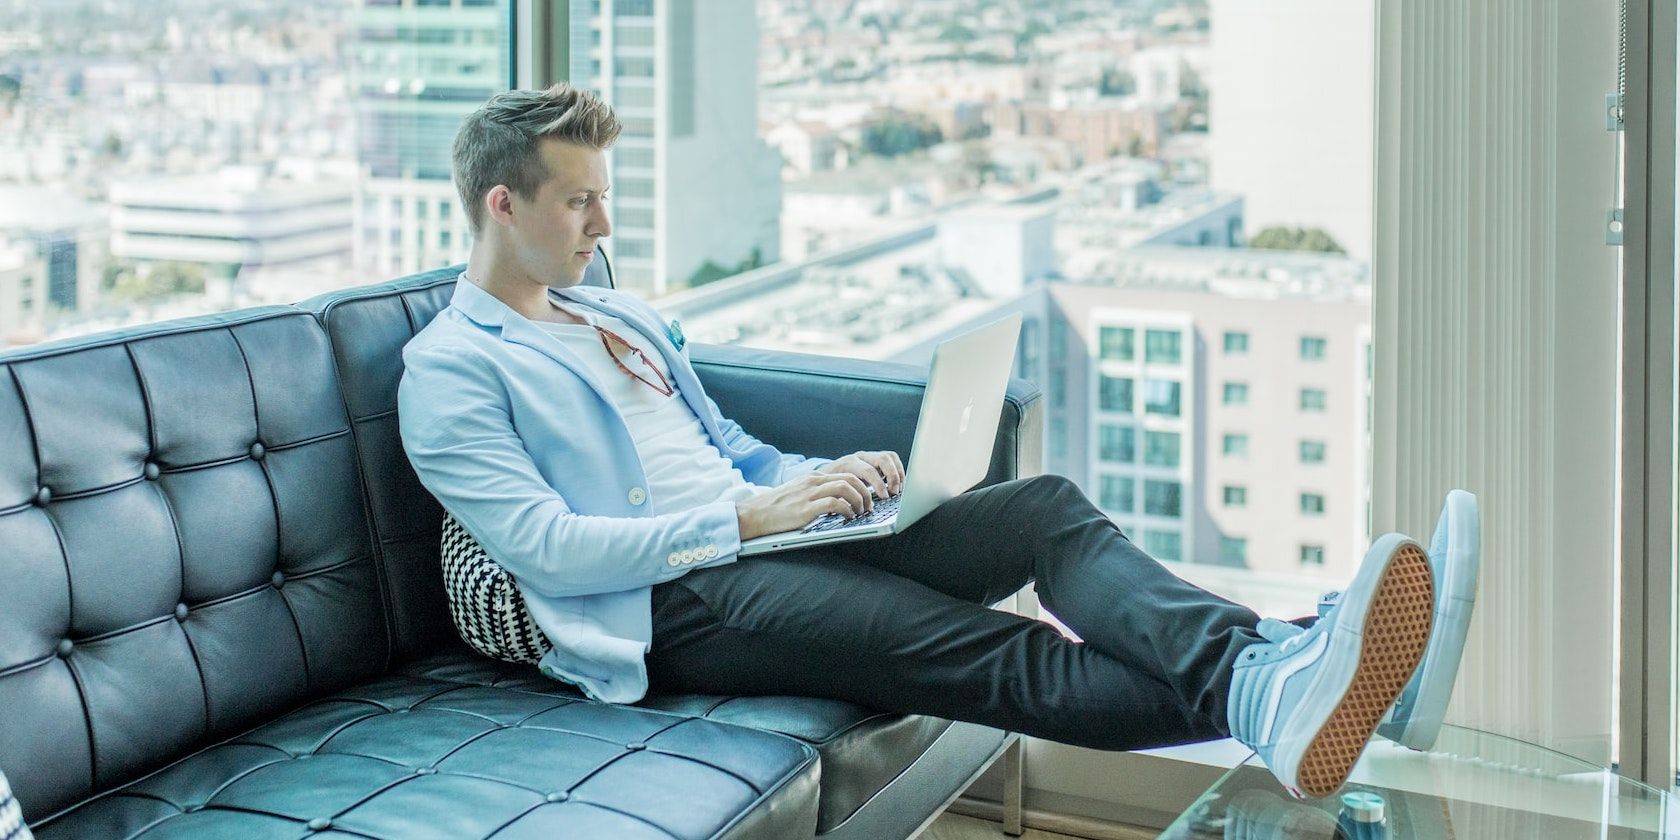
x=579 y=203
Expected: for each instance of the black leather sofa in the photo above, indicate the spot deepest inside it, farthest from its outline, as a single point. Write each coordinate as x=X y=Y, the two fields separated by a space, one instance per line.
x=221 y=612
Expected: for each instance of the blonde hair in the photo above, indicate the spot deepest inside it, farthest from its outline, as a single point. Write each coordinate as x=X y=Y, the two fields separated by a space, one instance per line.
x=497 y=143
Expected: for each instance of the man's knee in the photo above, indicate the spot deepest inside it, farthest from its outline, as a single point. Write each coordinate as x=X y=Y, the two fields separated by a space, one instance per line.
x=1053 y=486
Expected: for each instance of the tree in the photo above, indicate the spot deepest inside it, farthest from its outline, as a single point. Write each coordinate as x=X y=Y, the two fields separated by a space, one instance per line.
x=711 y=272
x=956 y=33
x=897 y=134
x=1281 y=238
x=1116 y=82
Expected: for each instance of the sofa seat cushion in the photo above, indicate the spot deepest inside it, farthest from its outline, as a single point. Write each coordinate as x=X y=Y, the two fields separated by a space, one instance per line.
x=862 y=749
x=416 y=756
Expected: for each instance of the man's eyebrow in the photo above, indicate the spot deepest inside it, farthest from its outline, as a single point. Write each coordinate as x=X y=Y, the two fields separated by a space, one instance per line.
x=582 y=191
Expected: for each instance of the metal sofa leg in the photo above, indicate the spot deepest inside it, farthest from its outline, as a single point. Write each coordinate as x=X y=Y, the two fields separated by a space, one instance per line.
x=1012 y=761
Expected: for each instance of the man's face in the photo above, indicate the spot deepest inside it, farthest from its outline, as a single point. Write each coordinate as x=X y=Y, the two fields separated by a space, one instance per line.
x=556 y=230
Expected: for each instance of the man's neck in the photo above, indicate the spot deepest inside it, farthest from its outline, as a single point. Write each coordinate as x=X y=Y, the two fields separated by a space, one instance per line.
x=510 y=284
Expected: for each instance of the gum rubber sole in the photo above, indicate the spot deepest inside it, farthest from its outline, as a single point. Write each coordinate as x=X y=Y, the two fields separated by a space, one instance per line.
x=1395 y=635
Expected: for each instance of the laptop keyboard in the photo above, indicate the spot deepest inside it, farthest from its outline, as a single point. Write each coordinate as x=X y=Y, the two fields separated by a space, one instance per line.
x=884 y=510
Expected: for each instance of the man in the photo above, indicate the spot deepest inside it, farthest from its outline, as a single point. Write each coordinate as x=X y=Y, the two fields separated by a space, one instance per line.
x=569 y=435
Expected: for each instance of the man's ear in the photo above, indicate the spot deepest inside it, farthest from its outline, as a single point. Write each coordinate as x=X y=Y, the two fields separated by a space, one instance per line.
x=498 y=204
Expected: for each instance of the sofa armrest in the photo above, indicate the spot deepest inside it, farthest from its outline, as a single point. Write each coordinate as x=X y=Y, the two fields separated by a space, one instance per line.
x=827 y=406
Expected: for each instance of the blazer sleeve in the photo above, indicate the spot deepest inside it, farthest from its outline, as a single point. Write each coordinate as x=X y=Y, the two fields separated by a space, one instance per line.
x=457 y=432
x=793 y=466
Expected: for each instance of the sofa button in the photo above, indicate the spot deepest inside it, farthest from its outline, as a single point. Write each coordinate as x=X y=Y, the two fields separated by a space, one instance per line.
x=42 y=496
x=257 y=452
x=426 y=771
x=636 y=747
x=152 y=471
x=319 y=824
x=637 y=495
x=180 y=612
x=64 y=648
x=278 y=579
x=557 y=796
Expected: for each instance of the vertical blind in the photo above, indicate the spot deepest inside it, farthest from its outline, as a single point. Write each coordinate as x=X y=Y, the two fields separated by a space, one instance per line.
x=1495 y=317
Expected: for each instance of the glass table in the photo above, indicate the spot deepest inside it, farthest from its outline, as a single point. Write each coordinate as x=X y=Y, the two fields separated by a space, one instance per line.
x=1472 y=785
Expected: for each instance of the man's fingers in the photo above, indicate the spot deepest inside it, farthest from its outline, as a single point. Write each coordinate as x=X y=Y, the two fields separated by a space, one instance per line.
x=852 y=489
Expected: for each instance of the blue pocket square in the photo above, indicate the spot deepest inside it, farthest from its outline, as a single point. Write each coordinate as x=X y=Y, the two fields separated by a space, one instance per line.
x=675 y=334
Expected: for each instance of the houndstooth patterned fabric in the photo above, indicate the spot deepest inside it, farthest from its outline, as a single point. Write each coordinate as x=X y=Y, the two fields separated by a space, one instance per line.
x=485 y=602
x=11 y=814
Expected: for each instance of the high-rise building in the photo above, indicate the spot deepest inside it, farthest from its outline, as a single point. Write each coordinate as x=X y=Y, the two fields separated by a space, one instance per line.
x=1291 y=99
x=1217 y=407
x=421 y=65
x=696 y=194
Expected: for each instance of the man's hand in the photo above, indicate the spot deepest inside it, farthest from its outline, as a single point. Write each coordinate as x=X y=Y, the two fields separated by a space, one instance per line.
x=791 y=506
x=882 y=471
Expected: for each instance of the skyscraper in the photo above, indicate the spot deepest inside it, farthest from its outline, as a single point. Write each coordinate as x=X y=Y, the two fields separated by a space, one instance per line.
x=1291 y=114
x=420 y=66
x=695 y=192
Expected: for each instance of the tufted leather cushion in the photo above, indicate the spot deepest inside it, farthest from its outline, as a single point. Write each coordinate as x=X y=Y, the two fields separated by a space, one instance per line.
x=863 y=750
x=185 y=546
x=457 y=748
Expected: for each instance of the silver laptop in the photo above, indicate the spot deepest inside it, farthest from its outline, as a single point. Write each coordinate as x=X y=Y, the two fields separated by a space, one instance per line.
x=961 y=409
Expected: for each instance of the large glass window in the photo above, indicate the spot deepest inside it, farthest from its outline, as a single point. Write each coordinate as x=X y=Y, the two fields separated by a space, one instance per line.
x=176 y=157
x=1161 y=498
x=1163 y=347
x=1160 y=396
x=1115 y=493
x=1115 y=343
x=1312 y=504
x=1118 y=444
x=1160 y=449
x=1234 y=496
x=1236 y=343
x=1235 y=445
x=1312 y=348
x=1115 y=394
x=1236 y=393
x=1163 y=545
x=1233 y=551
x=1312 y=451
x=1313 y=400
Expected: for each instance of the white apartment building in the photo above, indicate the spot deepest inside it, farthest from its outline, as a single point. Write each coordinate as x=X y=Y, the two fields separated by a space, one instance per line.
x=1215 y=403
x=1291 y=93
x=23 y=301
x=692 y=182
x=235 y=217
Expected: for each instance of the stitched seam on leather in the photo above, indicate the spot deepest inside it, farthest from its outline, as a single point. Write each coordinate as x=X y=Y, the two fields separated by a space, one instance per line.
x=174 y=519
x=161 y=328
x=369 y=517
x=811 y=756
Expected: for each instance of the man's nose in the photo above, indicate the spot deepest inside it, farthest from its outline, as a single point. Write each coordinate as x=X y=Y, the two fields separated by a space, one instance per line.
x=600 y=222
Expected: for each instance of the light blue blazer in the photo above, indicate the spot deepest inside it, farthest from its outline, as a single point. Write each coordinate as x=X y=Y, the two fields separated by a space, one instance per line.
x=512 y=432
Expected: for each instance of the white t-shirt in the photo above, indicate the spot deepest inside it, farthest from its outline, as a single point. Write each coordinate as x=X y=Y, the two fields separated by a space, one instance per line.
x=684 y=469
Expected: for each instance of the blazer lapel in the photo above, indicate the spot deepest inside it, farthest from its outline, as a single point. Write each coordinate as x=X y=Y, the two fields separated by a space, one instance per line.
x=688 y=384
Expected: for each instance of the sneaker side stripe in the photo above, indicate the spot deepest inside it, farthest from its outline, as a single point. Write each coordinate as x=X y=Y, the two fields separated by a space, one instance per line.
x=1280 y=681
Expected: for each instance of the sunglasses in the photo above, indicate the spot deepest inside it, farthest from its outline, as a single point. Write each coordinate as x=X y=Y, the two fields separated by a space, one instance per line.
x=610 y=338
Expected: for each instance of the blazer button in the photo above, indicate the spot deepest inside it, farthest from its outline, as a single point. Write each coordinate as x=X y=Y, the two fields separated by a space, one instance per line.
x=711 y=551
x=673 y=560
x=637 y=495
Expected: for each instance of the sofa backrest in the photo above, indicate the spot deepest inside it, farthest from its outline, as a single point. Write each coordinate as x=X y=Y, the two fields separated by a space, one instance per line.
x=184 y=545
x=368 y=327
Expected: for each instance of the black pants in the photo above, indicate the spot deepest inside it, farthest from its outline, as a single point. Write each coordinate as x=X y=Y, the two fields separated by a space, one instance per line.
x=900 y=624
